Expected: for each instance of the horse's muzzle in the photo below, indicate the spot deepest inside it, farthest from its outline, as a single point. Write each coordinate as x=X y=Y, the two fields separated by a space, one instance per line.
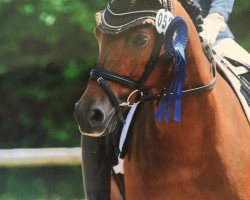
x=93 y=119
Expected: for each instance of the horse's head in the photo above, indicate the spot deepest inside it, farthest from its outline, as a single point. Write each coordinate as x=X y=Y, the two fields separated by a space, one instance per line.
x=130 y=64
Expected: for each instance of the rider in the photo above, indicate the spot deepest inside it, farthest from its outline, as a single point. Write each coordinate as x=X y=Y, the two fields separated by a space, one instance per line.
x=216 y=33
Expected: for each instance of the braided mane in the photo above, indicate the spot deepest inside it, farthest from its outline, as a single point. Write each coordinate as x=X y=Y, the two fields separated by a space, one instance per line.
x=195 y=12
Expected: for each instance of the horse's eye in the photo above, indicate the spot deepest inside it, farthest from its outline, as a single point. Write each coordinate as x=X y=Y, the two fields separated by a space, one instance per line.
x=140 y=40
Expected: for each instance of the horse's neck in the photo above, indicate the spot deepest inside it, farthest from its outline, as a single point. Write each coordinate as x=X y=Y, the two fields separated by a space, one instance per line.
x=198 y=72
x=198 y=151
x=193 y=153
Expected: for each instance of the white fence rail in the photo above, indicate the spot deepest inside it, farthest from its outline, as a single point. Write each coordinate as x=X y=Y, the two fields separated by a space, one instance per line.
x=40 y=157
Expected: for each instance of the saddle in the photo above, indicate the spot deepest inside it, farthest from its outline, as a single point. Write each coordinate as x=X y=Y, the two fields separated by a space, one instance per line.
x=237 y=74
x=242 y=71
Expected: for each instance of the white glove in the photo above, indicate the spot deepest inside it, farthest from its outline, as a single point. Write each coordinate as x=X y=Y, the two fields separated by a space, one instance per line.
x=213 y=24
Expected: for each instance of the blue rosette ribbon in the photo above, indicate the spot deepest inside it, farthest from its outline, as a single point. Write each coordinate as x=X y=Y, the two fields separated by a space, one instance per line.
x=175 y=40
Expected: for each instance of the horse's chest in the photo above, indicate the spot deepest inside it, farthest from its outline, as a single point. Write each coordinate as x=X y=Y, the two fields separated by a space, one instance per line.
x=155 y=179
x=156 y=169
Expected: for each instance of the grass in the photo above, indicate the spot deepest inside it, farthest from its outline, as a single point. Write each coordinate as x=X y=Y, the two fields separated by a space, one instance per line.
x=51 y=183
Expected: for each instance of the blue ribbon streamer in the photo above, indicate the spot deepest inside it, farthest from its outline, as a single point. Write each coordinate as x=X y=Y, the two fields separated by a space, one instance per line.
x=174 y=48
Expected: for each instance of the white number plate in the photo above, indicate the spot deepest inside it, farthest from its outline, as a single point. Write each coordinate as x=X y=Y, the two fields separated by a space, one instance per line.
x=162 y=20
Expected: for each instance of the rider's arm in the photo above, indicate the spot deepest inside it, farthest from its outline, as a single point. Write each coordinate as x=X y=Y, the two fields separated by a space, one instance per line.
x=215 y=21
x=223 y=7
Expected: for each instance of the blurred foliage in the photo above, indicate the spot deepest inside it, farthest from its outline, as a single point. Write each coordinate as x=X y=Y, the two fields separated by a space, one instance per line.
x=37 y=106
x=38 y=32
x=46 y=50
x=239 y=23
x=64 y=183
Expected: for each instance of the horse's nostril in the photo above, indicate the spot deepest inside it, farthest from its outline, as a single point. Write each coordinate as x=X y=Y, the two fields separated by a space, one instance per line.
x=89 y=117
x=96 y=117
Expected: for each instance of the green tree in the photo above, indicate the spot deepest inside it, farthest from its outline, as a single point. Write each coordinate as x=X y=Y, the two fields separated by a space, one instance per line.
x=240 y=24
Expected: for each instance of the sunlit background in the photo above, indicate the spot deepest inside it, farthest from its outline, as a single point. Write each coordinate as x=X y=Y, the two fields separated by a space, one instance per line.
x=46 y=50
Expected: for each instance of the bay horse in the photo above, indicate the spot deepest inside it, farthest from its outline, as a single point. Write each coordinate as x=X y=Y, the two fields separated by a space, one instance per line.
x=204 y=156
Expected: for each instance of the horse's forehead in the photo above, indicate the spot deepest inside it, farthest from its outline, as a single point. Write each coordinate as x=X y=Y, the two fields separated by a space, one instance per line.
x=113 y=38
x=123 y=44
x=120 y=49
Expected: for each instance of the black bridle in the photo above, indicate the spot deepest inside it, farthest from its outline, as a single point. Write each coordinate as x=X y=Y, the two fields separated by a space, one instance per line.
x=100 y=75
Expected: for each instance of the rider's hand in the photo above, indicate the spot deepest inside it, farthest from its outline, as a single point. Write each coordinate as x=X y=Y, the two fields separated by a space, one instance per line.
x=213 y=24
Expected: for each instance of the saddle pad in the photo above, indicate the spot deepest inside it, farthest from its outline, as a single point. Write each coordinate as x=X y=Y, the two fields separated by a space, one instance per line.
x=245 y=87
x=238 y=77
